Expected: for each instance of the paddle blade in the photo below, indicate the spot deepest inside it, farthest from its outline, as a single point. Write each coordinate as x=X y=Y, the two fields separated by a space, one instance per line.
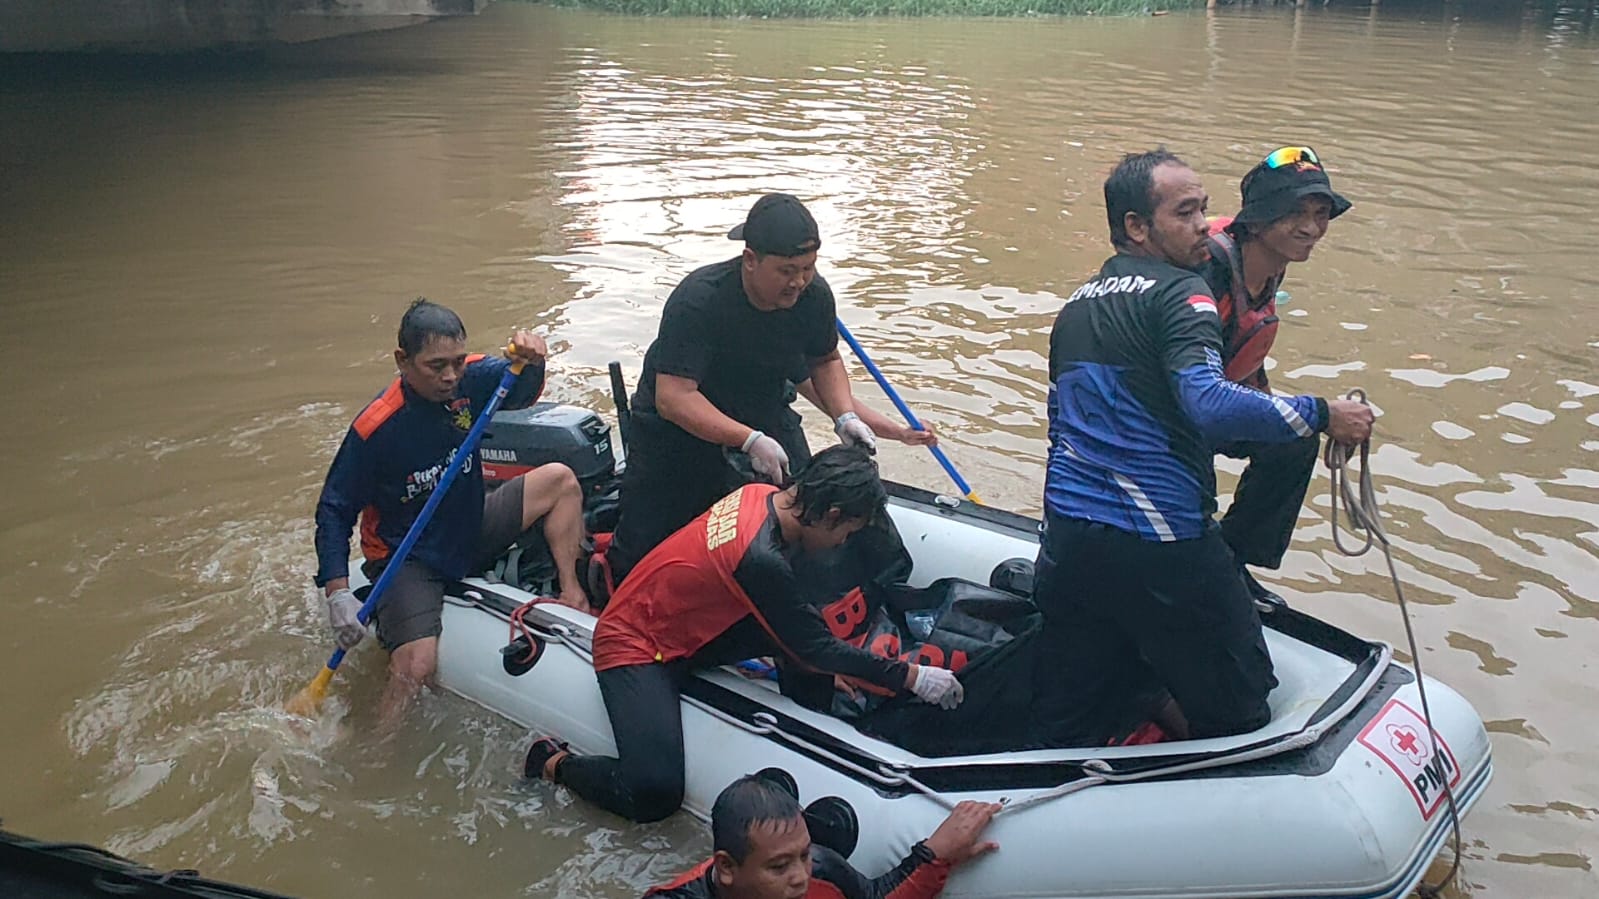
x=308 y=702
x=975 y=498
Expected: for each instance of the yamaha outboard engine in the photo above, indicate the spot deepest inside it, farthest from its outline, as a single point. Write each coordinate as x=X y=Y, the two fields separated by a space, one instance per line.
x=521 y=440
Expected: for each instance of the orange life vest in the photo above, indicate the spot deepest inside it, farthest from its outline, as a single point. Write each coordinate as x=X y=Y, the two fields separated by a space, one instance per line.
x=1247 y=331
x=817 y=889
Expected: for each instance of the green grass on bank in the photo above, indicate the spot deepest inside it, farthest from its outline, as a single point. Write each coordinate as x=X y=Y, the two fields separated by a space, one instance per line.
x=837 y=9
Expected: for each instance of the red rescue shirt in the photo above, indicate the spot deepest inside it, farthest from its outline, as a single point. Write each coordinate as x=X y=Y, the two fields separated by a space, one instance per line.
x=727 y=565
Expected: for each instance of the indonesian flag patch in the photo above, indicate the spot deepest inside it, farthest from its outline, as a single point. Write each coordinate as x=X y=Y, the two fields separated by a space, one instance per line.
x=1203 y=304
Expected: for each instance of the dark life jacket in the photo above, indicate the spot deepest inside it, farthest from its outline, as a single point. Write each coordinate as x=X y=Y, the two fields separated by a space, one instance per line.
x=696 y=884
x=1247 y=331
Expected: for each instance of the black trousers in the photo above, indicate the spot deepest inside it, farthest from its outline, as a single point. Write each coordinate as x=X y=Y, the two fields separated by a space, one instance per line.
x=644 y=781
x=1128 y=619
x=672 y=477
x=1260 y=523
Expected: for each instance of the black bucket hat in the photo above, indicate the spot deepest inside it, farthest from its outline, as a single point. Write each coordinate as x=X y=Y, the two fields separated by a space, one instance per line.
x=1274 y=188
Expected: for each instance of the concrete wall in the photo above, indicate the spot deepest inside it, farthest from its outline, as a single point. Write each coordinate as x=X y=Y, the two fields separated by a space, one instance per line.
x=175 y=25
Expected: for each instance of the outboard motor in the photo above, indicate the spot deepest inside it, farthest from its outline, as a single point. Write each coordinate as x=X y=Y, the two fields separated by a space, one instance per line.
x=521 y=440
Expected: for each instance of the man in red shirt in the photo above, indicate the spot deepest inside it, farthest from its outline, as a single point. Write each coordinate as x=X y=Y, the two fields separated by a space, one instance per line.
x=763 y=850
x=719 y=590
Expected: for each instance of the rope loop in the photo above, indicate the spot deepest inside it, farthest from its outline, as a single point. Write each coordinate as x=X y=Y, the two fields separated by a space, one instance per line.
x=1365 y=521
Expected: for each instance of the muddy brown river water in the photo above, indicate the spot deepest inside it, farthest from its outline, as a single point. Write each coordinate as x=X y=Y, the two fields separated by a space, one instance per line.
x=203 y=262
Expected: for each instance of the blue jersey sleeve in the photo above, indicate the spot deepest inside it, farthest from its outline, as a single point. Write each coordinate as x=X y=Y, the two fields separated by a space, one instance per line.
x=483 y=376
x=1190 y=330
x=346 y=491
x=1225 y=411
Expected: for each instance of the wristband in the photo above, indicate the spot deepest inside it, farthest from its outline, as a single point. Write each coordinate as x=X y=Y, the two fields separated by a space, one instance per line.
x=750 y=441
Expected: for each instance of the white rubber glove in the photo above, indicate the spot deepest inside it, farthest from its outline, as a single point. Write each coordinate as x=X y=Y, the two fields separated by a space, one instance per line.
x=343 y=618
x=936 y=686
x=850 y=429
x=766 y=457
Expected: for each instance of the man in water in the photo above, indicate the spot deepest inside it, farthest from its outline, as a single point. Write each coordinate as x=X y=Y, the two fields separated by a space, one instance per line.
x=394 y=453
x=1135 y=582
x=1288 y=202
x=720 y=590
x=762 y=849
x=734 y=335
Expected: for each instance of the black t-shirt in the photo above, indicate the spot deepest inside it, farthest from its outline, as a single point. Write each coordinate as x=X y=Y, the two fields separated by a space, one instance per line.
x=739 y=355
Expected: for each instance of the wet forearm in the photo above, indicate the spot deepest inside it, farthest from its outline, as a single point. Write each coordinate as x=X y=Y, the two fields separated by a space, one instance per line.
x=830 y=384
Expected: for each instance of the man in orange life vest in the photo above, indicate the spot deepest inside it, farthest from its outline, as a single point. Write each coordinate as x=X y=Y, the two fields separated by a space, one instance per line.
x=719 y=590
x=393 y=455
x=1287 y=203
x=763 y=850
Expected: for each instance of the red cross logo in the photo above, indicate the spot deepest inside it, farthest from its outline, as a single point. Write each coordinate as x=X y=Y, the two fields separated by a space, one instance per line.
x=1405 y=739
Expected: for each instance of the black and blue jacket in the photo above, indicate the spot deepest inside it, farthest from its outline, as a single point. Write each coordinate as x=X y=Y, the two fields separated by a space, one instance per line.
x=1138 y=402
x=394 y=453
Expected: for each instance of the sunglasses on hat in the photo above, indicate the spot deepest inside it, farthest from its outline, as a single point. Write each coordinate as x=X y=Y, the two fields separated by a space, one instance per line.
x=1290 y=156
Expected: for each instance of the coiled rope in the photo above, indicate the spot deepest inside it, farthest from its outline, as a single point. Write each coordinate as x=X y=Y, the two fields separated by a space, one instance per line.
x=1359 y=502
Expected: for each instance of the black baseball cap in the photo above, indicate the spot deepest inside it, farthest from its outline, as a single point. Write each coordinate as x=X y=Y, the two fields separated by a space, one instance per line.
x=1274 y=188
x=779 y=225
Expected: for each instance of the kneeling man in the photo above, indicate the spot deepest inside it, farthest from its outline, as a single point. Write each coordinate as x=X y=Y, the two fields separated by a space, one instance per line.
x=720 y=590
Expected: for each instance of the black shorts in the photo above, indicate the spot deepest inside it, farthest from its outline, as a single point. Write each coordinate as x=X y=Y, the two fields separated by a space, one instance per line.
x=415 y=600
x=1125 y=617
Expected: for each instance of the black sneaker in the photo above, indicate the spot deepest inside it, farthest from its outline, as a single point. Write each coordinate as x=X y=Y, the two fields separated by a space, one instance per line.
x=1266 y=600
x=538 y=755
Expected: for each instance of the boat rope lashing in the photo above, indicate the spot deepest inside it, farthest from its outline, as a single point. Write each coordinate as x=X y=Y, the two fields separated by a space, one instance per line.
x=519 y=628
x=1365 y=521
x=1097 y=771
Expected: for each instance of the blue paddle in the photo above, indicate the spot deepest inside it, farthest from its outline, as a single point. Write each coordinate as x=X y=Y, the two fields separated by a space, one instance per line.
x=910 y=417
x=309 y=700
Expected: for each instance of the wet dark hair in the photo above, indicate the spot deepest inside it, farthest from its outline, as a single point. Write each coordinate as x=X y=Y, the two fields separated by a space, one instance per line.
x=843 y=478
x=425 y=320
x=1242 y=232
x=1131 y=188
x=750 y=801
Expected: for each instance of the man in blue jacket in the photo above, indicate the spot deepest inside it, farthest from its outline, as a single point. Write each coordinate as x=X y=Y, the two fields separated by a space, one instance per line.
x=392 y=457
x=1137 y=587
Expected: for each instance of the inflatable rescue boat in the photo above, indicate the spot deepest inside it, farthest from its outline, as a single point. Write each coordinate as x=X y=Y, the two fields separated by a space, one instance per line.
x=1342 y=794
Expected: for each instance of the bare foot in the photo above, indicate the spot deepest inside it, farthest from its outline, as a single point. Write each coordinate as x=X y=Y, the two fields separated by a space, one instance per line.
x=577 y=601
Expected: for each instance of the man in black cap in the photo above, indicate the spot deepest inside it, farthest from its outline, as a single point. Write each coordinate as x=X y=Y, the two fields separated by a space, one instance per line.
x=1287 y=204
x=734 y=337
